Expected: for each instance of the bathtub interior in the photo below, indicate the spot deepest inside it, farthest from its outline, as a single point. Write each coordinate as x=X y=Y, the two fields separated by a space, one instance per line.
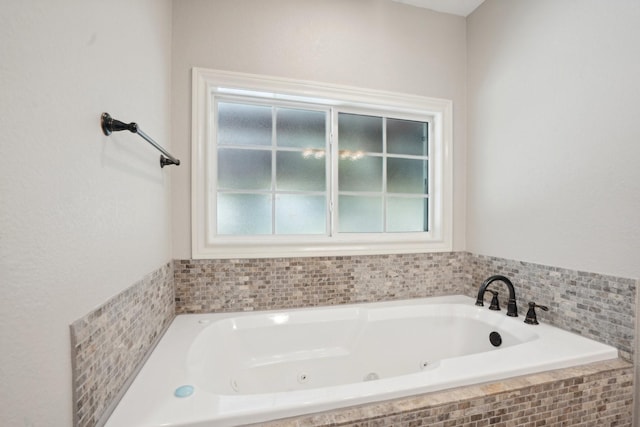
x=243 y=368
x=298 y=350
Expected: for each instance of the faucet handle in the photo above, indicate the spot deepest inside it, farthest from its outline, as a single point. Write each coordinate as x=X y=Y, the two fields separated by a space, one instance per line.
x=495 y=304
x=531 y=318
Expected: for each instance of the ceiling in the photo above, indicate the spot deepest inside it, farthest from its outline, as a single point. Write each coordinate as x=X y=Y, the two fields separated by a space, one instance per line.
x=455 y=7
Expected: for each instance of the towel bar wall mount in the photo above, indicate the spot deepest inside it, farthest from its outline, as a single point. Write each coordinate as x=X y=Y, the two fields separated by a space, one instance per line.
x=109 y=125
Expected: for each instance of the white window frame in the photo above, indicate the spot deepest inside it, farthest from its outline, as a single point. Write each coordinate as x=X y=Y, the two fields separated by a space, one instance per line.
x=438 y=112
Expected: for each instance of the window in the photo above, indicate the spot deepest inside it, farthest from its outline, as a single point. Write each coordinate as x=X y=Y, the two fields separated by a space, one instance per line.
x=382 y=174
x=272 y=168
x=292 y=168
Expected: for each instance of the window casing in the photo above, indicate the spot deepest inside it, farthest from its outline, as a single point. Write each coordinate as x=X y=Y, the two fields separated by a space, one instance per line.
x=260 y=190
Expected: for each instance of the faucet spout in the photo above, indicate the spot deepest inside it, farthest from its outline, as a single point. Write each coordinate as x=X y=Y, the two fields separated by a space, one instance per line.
x=512 y=308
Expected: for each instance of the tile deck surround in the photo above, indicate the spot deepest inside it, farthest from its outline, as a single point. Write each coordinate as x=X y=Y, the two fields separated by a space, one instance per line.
x=110 y=344
x=598 y=395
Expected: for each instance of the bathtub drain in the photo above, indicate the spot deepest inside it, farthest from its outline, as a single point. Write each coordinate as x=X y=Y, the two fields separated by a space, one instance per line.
x=495 y=339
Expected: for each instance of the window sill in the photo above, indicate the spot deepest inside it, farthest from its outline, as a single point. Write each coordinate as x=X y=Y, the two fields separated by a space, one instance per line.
x=241 y=248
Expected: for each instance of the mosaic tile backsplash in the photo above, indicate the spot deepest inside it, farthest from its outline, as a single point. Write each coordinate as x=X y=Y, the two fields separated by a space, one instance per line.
x=109 y=344
x=260 y=284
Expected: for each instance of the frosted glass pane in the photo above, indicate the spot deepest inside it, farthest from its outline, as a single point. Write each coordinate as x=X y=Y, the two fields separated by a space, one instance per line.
x=407 y=137
x=360 y=133
x=244 y=169
x=242 y=214
x=358 y=214
x=295 y=172
x=240 y=124
x=300 y=214
x=301 y=128
x=407 y=176
x=364 y=174
x=407 y=214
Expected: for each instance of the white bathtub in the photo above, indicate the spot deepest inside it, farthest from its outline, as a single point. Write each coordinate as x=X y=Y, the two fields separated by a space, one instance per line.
x=257 y=366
